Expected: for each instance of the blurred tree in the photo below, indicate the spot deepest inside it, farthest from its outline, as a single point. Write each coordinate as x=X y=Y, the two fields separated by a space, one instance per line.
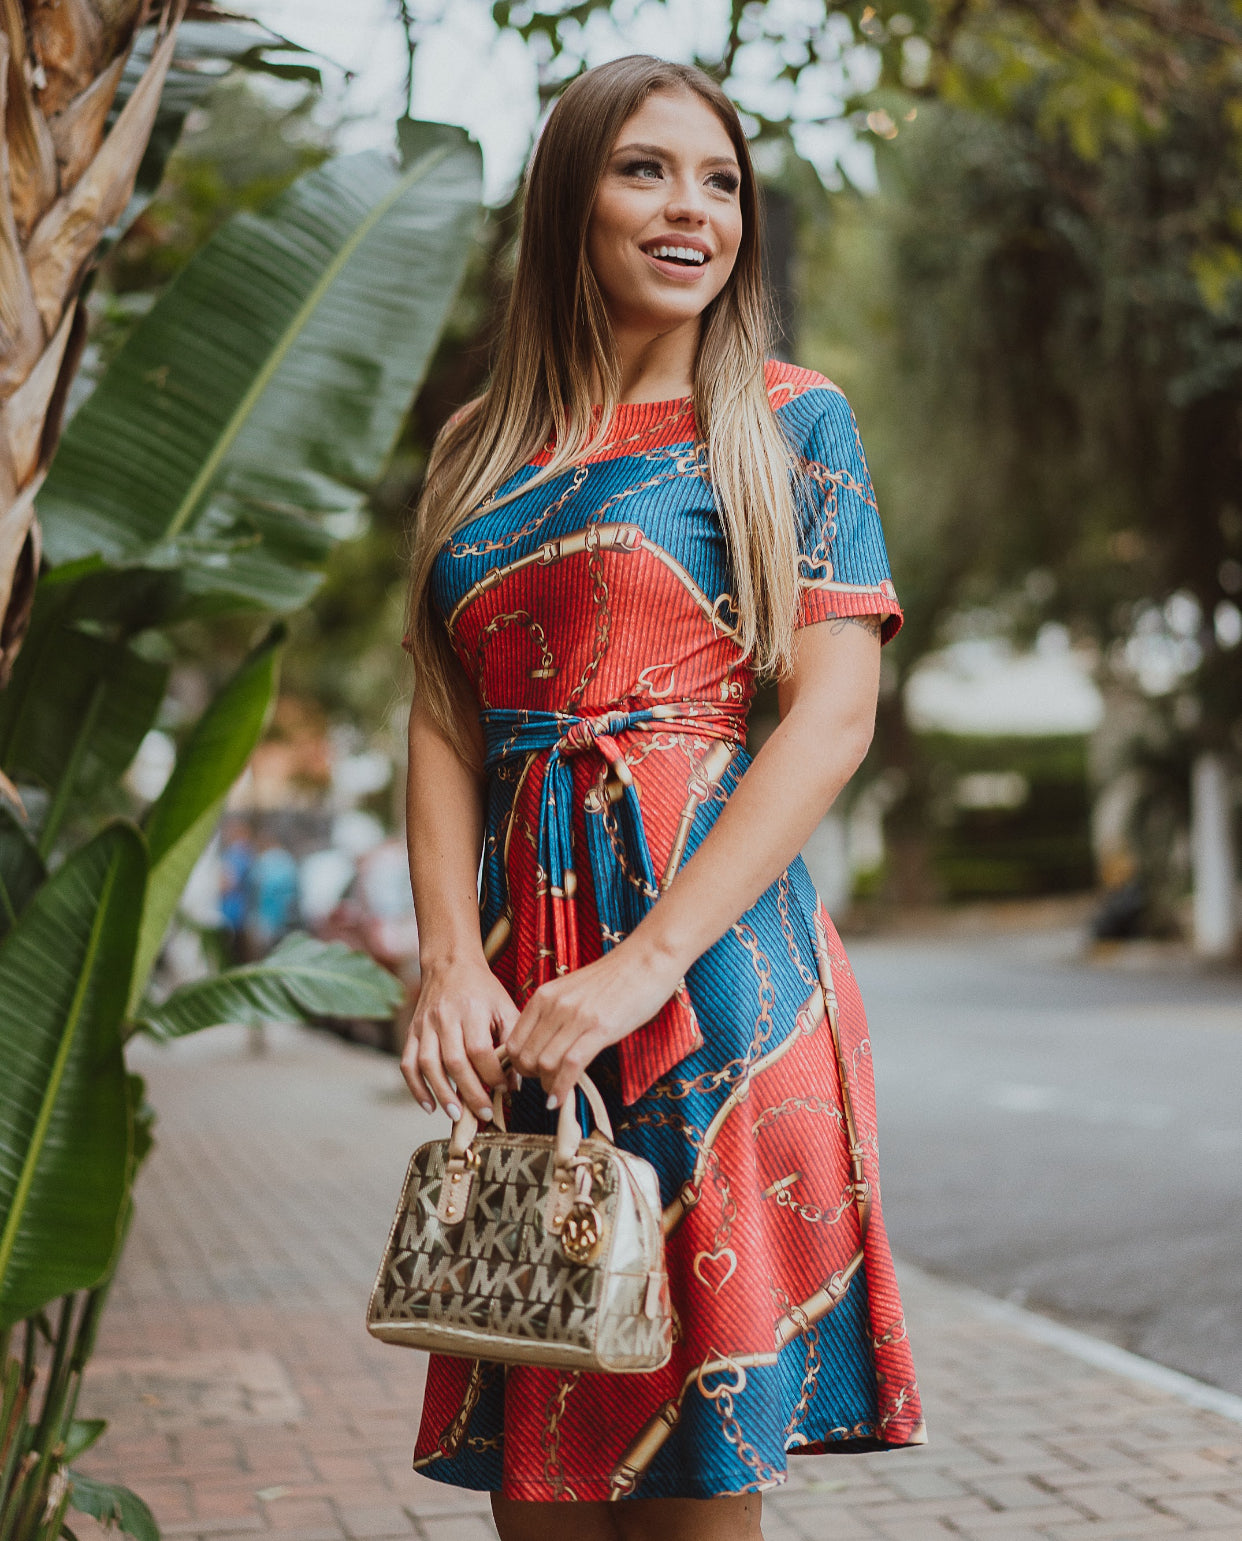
x=1050 y=351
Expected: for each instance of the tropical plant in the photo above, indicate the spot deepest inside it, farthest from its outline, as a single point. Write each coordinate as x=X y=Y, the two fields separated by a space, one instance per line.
x=226 y=448
x=92 y=105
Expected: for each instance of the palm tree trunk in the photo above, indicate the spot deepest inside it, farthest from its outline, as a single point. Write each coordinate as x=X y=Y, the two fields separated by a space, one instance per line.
x=65 y=178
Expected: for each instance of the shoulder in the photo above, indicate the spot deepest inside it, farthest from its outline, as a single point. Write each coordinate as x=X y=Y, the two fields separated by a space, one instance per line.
x=812 y=409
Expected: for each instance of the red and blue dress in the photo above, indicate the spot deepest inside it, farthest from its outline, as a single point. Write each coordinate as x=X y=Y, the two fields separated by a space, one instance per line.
x=595 y=621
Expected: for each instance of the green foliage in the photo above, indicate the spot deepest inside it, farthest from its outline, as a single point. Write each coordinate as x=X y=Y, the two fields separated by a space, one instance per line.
x=228 y=446
x=111 y=1504
x=201 y=47
x=21 y=868
x=242 y=150
x=77 y=706
x=283 y=403
x=300 y=979
x=183 y=818
x=1036 y=841
x=64 y=1127
x=244 y=418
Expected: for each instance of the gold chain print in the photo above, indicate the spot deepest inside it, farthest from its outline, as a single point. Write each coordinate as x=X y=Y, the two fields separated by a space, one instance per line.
x=765 y=1476
x=546 y=668
x=485 y=547
x=787 y=931
x=596 y=617
x=603 y=616
x=810 y=1378
x=709 y=1080
x=554 y=1412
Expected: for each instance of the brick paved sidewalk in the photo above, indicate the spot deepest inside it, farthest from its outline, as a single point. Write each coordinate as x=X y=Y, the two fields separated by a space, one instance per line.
x=246 y=1399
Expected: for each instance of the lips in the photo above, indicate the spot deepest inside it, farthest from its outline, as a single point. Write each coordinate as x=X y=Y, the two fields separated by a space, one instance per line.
x=677 y=257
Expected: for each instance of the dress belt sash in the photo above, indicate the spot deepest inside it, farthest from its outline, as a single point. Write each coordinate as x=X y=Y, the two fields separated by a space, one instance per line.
x=619 y=857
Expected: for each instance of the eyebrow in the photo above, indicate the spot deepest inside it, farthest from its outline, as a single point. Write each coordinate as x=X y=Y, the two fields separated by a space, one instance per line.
x=661 y=153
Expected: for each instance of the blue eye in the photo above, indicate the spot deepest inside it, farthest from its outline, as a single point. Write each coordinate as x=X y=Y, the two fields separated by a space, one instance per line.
x=726 y=181
x=634 y=168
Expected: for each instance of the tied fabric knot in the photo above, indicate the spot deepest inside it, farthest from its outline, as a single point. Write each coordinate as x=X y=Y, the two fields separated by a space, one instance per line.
x=618 y=855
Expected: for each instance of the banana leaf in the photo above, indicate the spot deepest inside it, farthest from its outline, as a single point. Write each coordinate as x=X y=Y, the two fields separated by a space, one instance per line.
x=124 y=603
x=234 y=436
x=184 y=817
x=300 y=980
x=77 y=707
x=21 y=868
x=65 y=1131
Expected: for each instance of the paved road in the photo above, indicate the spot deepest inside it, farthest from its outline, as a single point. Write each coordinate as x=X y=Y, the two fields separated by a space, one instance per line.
x=1067 y=1135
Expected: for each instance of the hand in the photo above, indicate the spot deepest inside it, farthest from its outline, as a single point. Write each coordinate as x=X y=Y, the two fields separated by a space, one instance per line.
x=569 y=1020
x=463 y=1011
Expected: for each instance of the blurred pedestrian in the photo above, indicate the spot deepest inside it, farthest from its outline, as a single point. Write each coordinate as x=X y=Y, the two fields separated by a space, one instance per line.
x=272 y=897
x=236 y=858
x=639 y=517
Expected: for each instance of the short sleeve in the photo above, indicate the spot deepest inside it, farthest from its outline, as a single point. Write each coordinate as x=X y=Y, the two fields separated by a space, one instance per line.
x=843 y=564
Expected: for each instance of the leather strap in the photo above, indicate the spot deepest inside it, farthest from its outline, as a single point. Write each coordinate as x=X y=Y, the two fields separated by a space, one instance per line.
x=467 y=1126
x=568 y=1131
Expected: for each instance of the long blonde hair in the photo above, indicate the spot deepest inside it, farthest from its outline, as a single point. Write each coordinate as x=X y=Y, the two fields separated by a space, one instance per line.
x=557 y=333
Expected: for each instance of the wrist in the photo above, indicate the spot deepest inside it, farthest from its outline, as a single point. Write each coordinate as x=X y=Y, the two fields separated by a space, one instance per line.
x=450 y=957
x=653 y=950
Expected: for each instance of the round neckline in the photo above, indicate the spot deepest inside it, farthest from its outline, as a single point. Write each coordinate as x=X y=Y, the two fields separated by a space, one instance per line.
x=643 y=414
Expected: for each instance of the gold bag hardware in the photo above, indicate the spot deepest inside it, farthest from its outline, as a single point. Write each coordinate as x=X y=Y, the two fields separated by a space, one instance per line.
x=528 y=1249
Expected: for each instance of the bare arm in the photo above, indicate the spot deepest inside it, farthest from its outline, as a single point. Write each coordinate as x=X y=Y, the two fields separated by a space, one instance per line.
x=461 y=1005
x=827 y=706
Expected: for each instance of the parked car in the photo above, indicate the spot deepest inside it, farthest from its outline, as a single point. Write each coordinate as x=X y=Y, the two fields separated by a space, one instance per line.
x=375 y=915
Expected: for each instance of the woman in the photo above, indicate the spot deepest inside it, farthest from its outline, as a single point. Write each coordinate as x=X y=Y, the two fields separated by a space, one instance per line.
x=639 y=517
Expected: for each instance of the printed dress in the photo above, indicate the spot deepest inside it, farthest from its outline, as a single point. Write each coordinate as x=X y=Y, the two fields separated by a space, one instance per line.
x=595 y=621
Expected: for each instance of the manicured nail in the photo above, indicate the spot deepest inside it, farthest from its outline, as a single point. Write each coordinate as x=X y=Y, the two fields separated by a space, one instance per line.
x=483 y=1115
x=554 y=1102
x=428 y=1107
x=453 y=1111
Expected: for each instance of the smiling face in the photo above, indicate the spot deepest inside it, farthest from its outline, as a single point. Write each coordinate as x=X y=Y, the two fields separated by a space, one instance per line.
x=666 y=225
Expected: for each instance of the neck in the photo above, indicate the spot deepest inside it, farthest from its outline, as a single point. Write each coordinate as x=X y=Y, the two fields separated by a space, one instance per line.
x=655 y=366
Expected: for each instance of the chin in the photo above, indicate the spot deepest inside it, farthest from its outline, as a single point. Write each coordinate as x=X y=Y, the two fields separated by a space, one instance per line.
x=655 y=311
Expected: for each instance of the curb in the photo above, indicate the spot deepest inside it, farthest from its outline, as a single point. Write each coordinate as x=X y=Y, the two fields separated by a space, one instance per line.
x=1098 y=1352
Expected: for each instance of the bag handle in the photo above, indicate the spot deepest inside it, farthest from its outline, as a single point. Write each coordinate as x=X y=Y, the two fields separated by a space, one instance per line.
x=568 y=1132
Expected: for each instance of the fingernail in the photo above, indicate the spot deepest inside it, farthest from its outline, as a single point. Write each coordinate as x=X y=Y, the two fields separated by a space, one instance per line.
x=428 y=1107
x=554 y=1102
x=483 y=1115
x=453 y=1111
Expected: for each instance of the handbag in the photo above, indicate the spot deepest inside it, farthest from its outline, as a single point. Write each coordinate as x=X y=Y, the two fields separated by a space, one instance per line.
x=528 y=1249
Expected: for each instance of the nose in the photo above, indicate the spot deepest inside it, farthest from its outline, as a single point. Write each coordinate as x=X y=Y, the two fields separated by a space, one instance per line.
x=686 y=203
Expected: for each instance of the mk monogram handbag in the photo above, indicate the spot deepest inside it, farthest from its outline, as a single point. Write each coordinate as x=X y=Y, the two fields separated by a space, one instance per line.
x=528 y=1249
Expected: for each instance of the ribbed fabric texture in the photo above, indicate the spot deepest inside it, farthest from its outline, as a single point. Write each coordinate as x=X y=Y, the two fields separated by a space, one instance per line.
x=594 y=617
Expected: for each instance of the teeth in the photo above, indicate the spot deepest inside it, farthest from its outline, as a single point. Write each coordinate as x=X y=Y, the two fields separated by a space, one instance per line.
x=685 y=253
